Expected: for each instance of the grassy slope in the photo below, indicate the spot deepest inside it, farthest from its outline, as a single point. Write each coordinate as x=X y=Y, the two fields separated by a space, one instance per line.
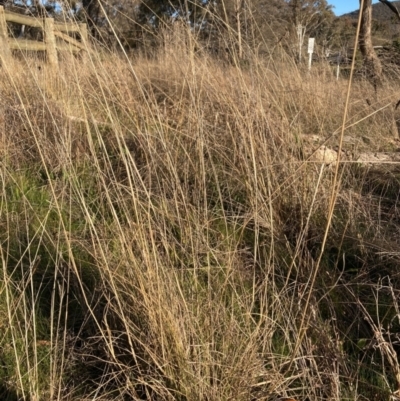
x=380 y=12
x=159 y=225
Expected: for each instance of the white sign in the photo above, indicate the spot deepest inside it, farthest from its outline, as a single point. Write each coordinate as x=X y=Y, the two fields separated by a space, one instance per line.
x=311 y=42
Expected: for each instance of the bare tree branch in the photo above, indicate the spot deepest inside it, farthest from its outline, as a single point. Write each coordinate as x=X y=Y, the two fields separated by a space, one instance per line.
x=392 y=7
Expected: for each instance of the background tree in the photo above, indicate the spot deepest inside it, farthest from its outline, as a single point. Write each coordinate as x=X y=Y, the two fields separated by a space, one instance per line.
x=315 y=15
x=371 y=61
x=92 y=13
x=152 y=12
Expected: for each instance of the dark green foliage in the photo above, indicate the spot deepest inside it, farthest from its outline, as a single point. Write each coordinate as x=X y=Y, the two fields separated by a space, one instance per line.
x=153 y=11
x=48 y=275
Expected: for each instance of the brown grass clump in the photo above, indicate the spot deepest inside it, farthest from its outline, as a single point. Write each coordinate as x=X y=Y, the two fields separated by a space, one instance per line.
x=160 y=221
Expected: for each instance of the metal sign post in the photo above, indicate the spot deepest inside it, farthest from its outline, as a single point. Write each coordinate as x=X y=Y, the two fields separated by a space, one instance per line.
x=301 y=31
x=311 y=42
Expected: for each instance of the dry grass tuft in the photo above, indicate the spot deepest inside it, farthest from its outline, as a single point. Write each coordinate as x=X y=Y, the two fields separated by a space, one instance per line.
x=160 y=222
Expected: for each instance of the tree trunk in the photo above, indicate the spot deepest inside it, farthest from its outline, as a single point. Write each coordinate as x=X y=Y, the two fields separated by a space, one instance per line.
x=295 y=12
x=372 y=63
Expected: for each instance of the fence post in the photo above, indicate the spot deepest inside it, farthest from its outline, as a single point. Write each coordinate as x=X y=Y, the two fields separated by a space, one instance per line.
x=83 y=31
x=84 y=34
x=50 y=39
x=5 y=51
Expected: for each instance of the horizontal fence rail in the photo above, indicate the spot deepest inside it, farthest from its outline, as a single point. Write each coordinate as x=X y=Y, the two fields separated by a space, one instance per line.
x=51 y=30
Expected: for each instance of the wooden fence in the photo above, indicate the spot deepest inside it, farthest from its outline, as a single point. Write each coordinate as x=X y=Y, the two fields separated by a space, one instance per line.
x=56 y=36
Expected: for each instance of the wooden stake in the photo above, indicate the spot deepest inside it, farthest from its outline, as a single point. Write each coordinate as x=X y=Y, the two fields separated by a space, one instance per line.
x=84 y=34
x=5 y=51
x=50 y=40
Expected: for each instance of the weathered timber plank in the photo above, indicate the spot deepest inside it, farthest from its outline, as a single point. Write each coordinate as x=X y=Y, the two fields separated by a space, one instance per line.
x=24 y=19
x=33 y=45
x=66 y=27
x=70 y=40
x=25 y=44
x=69 y=47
